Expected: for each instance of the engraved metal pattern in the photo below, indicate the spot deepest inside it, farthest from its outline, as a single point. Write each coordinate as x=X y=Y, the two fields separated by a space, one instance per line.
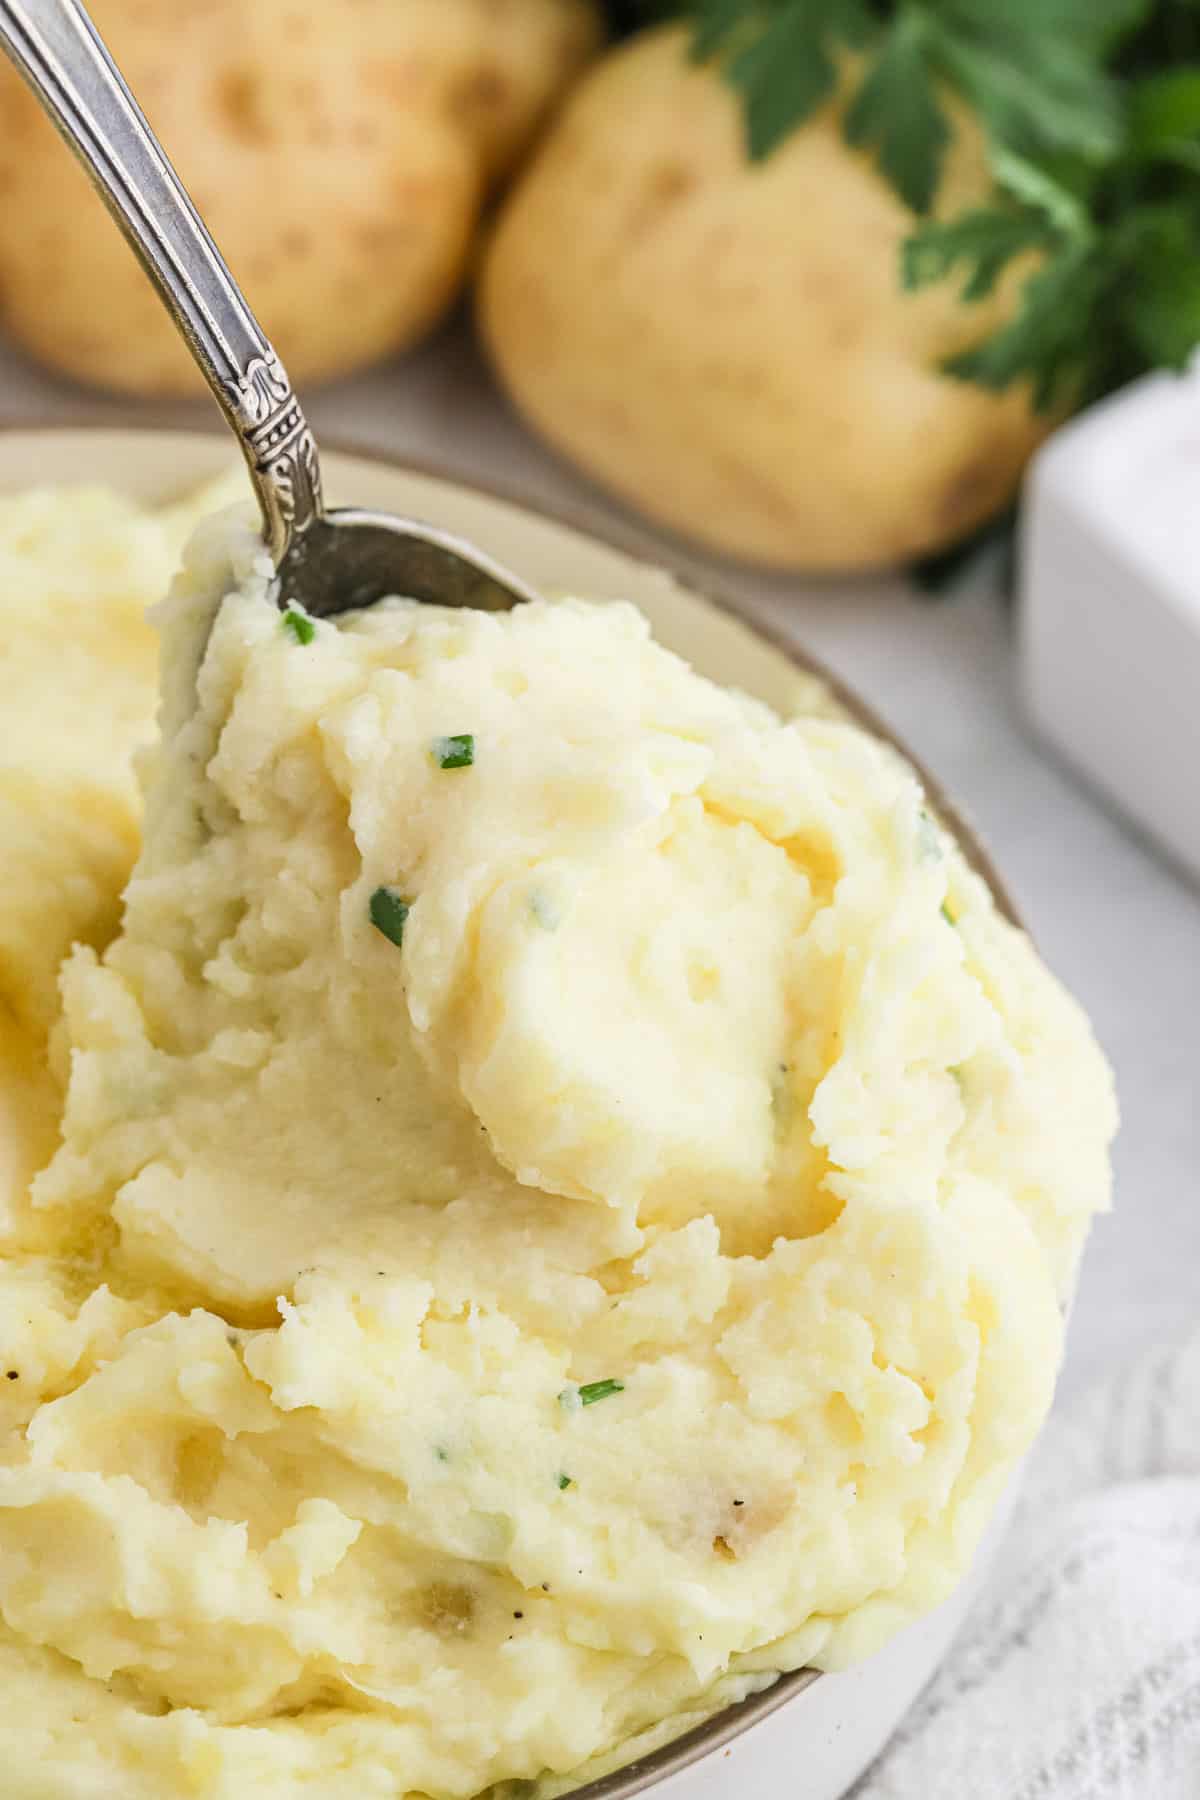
x=279 y=444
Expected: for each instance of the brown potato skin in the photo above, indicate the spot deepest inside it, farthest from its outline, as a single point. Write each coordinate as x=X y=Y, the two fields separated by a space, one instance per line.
x=726 y=344
x=340 y=155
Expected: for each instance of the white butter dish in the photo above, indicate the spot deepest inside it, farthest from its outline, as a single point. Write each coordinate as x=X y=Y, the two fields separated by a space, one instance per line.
x=1109 y=589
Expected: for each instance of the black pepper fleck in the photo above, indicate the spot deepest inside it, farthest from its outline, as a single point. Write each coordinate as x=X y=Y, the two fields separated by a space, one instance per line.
x=518 y=1615
x=13 y=1376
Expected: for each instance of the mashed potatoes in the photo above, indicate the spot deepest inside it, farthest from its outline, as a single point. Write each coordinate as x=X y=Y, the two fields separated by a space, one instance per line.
x=564 y=1196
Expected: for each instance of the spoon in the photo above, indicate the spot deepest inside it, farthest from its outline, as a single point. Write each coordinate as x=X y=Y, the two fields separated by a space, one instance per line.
x=327 y=561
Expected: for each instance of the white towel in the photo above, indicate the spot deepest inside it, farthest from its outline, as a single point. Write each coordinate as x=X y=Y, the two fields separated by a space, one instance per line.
x=1077 y=1674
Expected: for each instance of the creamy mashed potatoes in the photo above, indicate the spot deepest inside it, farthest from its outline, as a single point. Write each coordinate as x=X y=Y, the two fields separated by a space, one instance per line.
x=563 y=1200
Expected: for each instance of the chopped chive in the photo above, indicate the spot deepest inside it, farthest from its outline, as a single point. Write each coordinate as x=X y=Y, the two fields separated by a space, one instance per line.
x=441 y=1452
x=457 y=752
x=297 y=621
x=564 y=1481
x=592 y=1391
x=389 y=910
x=947 y=914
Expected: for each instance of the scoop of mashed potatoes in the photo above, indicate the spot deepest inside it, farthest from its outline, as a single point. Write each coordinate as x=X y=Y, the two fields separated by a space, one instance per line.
x=563 y=1202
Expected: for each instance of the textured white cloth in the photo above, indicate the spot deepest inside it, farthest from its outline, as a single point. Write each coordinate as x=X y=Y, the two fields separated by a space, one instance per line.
x=1077 y=1674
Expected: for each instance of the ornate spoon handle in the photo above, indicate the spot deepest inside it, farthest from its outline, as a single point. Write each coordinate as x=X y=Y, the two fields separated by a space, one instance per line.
x=59 y=52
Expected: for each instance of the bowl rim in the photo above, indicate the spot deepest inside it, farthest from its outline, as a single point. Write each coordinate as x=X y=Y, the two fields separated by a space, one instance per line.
x=729 y=1722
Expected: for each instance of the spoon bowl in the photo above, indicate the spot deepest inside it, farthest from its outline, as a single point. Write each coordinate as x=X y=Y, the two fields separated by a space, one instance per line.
x=327 y=562
x=349 y=556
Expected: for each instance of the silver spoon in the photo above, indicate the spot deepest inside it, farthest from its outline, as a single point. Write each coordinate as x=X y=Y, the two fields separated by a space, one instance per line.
x=328 y=561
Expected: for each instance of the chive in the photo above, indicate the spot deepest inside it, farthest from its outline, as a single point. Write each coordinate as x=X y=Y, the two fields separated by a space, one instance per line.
x=564 y=1481
x=457 y=752
x=947 y=914
x=388 y=911
x=297 y=621
x=592 y=1391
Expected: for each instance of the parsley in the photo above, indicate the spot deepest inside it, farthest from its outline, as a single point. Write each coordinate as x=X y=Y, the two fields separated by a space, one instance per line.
x=898 y=113
x=388 y=911
x=592 y=1391
x=1032 y=70
x=564 y=1482
x=1091 y=114
x=456 y=752
x=780 y=56
x=297 y=621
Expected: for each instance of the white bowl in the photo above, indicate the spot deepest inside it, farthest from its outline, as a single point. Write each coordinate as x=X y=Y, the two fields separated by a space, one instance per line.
x=818 y=1730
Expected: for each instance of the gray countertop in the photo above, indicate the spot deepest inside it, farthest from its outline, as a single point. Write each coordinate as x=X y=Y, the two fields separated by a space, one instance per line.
x=1120 y=926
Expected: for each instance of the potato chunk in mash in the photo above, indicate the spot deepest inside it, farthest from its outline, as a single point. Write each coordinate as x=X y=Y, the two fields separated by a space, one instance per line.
x=565 y=1193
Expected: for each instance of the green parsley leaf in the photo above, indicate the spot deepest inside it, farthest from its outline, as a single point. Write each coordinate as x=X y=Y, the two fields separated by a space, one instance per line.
x=297 y=621
x=1160 y=298
x=1050 y=338
x=780 y=56
x=898 y=114
x=1037 y=189
x=715 y=22
x=564 y=1481
x=1164 y=118
x=1033 y=94
x=591 y=1391
x=980 y=243
x=457 y=752
x=1090 y=25
x=389 y=910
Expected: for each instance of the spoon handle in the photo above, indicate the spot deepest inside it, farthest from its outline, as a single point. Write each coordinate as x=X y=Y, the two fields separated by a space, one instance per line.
x=57 y=49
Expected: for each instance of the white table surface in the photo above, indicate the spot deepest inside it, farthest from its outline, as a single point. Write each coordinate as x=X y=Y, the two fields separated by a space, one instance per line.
x=1120 y=926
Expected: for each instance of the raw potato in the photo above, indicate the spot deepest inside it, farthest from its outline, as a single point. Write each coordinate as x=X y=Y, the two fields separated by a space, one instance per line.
x=727 y=344
x=340 y=155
